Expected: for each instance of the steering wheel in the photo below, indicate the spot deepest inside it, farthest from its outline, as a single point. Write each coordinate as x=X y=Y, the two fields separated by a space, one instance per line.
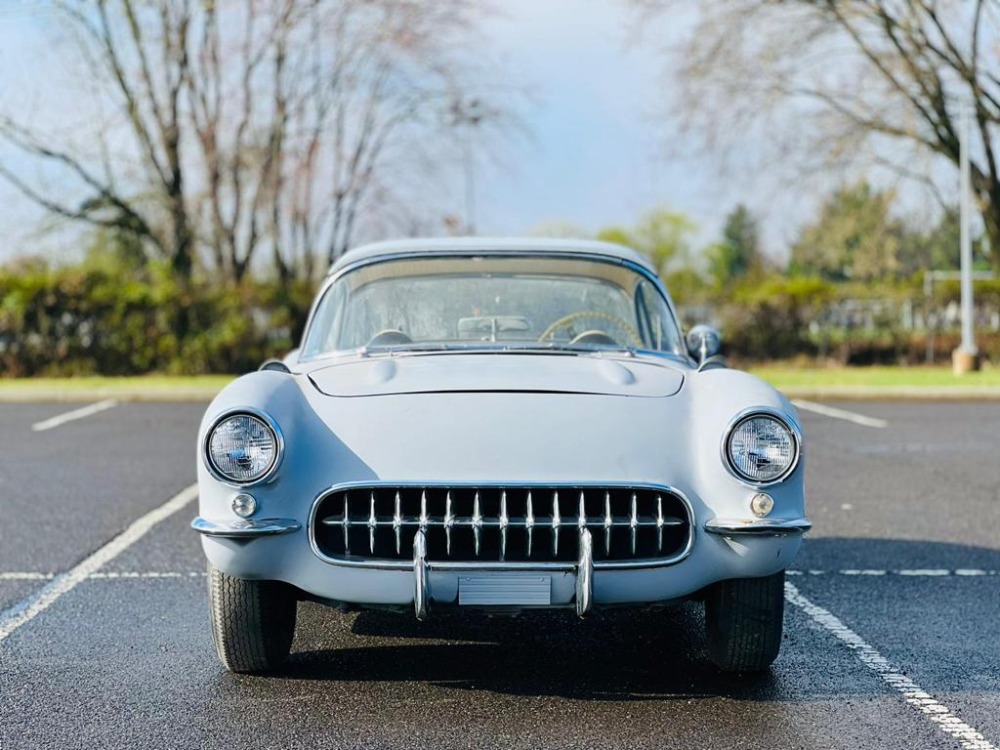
x=566 y=321
x=390 y=337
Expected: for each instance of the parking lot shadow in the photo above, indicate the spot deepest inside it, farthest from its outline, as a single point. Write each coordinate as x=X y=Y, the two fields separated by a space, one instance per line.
x=613 y=655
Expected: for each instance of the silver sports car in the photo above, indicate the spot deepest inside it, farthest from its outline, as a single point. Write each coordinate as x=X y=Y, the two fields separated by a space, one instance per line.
x=503 y=425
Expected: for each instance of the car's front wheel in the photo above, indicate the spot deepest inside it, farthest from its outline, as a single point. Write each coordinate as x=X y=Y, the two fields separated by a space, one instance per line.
x=743 y=620
x=253 y=622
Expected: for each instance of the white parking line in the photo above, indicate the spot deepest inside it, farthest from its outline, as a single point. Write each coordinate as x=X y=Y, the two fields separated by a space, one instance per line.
x=110 y=576
x=133 y=575
x=86 y=411
x=914 y=695
x=924 y=573
x=29 y=608
x=830 y=411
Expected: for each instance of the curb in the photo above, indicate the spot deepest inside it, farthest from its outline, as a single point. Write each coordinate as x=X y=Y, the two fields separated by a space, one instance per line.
x=83 y=395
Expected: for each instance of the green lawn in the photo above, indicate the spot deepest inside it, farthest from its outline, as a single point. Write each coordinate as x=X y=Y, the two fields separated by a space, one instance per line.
x=876 y=377
x=847 y=381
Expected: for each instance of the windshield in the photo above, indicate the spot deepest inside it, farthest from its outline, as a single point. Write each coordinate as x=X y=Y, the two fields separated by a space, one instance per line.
x=491 y=302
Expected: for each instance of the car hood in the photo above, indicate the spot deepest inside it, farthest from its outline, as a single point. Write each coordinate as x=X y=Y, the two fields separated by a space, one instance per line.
x=495 y=437
x=507 y=373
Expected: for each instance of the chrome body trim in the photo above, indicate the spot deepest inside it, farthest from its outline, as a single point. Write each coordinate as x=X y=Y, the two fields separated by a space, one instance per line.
x=489 y=565
x=757 y=526
x=585 y=575
x=782 y=417
x=279 y=443
x=380 y=564
x=246 y=528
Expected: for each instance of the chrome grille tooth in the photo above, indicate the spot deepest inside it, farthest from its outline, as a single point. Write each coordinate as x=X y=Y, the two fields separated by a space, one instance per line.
x=397 y=521
x=346 y=524
x=529 y=521
x=659 y=523
x=582 y=519
x=423 y=510
x=477 y=521
x=372 y=524
x=633 y=521
x=504 y=521
x=449 y=521
x=608 y=521
x=556 y=521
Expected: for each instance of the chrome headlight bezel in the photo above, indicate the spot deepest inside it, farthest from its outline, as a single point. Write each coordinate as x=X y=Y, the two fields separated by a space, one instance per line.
x=272 y=427
x=782 y=419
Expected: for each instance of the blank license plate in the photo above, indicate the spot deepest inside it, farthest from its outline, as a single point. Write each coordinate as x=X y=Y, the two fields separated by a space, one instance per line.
x=505 y=588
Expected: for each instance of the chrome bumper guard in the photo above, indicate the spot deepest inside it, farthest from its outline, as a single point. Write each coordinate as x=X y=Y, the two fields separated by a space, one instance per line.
x=246 y=529
x=421 y=581
x=757 y=526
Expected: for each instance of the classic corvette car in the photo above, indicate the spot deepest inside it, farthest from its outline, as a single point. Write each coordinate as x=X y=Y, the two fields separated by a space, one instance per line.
x=503 y=425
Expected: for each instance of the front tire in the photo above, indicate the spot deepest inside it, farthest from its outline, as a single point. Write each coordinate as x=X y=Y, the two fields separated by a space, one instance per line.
x=253 y=622
x=743 y=621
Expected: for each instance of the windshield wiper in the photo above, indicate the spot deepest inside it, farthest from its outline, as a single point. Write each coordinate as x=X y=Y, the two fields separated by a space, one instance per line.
x=495 y=347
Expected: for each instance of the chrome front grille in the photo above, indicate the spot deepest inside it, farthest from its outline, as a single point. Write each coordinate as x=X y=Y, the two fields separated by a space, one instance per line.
x=501 y=524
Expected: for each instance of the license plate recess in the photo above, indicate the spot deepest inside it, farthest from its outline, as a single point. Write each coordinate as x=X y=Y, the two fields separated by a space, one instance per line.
x=507 y=589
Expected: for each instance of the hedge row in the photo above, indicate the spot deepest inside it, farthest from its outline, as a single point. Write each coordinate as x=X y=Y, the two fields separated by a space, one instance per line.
x=98 y=318
x=88 y=321
x=778 y=318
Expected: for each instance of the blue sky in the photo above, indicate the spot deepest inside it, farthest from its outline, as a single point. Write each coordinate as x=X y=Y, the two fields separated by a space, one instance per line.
x=594 y=155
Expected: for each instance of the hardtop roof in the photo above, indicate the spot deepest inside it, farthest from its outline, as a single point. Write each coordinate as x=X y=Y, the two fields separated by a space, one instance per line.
x=488 y=245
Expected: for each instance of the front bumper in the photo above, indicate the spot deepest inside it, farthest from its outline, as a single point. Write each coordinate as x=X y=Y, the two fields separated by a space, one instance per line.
x=720 y=550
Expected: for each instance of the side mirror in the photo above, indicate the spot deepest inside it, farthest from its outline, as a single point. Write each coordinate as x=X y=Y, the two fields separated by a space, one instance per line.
x=703 y=343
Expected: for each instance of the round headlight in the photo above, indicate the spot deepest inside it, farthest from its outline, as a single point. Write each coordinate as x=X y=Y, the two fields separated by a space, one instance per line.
x=762 y=449
x=242 y=448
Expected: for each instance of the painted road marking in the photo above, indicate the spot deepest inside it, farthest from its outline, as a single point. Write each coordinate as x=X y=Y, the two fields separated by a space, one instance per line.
x=916 y=696
x=86 y=411
x=19 y=576
x=131 y=575
x=830 y=411
x=918 y=573
x=29 y=608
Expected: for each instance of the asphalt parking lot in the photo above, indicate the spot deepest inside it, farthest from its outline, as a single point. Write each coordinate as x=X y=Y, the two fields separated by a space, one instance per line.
x=892 y=626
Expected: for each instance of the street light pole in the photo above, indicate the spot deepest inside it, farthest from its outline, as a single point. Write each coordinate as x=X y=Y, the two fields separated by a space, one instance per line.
x=966 y=357
x=467 y=115
x=470 y=182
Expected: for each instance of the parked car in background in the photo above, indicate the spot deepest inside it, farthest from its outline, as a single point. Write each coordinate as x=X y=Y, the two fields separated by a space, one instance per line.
x=503 y=425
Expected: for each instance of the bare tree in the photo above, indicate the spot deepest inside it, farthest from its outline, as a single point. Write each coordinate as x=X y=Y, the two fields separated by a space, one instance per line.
x=847 y=82
x=141 y=51
x=248 y=126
